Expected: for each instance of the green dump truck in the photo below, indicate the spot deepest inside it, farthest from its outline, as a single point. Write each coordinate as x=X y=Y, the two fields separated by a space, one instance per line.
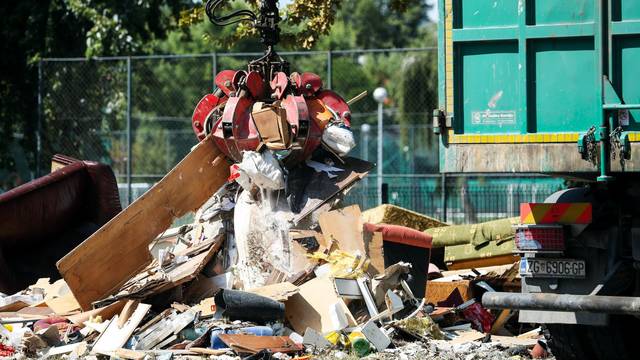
x=553 y=87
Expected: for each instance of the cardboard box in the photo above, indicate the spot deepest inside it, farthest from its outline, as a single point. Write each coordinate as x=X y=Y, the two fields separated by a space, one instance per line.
x=439 y=291
x=273 y=127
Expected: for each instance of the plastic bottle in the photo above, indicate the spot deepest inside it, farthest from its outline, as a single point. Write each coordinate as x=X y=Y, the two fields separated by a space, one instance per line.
x=359 y=344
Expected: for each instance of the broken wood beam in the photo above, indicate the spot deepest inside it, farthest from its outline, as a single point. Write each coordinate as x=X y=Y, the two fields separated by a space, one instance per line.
x=100 y=265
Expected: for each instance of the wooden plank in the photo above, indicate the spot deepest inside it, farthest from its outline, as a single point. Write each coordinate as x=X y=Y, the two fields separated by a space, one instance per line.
x=118 y=250
x=439 y=291
x=253 y=344
x=130 y=354
x=115 y=336
x=506 y=259
x=502 y=319
x=467 y=336
x=207 y=351
x=321 y=189
x=510 y=341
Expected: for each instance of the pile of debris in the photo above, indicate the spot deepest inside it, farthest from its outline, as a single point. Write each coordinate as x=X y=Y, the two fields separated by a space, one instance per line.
x=269 y=267
x=251 y=278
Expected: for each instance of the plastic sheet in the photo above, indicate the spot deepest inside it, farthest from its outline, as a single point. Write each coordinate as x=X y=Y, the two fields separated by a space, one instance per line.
x=261 y=170
x=339 y=139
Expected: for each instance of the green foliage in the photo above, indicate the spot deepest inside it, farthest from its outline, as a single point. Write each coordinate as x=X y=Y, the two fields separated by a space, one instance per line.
x=66 y=28
x=81 y=96
x=377 y=25
x=153 y=151
x=124 y=26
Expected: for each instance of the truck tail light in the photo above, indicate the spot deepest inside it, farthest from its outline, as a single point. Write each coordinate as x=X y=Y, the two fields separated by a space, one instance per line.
x=540 y=237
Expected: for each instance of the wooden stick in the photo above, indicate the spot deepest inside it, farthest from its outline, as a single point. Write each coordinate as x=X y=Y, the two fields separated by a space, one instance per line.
x=357 y=98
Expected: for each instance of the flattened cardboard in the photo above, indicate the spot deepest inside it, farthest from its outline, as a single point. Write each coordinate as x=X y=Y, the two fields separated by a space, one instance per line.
x=106 y=313
x=64 y=304
x=374 y=245
x=344 y=226
x=312 y=306
x=14 y=306
x=207 y=307
x=118 y=250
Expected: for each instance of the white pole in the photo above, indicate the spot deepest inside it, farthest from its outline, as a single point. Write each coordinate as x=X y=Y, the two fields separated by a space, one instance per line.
x=380 y=95
x=380 y=159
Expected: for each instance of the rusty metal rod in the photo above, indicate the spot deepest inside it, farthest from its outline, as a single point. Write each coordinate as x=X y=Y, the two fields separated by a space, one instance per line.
x=562 y=302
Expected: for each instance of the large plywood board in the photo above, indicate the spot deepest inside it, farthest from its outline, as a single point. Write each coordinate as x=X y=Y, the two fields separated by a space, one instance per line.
x=118 y=250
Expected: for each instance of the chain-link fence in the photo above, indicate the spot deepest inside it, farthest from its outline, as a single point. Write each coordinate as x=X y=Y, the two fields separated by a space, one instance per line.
x=134 y=113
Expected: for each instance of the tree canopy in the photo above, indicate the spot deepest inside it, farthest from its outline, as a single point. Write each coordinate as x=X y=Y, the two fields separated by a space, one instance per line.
x=86 y=28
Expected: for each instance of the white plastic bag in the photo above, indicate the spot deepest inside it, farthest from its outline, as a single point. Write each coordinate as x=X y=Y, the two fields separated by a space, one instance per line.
x=260 y=169
x=338 y=139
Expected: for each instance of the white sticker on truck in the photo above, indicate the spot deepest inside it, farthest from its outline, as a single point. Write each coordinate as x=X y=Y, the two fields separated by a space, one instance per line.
x=493 y=117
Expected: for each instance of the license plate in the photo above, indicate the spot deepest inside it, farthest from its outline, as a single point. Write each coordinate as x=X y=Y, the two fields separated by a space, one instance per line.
x=552 y=268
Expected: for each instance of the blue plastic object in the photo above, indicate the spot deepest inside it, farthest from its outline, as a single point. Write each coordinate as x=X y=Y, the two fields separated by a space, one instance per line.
x=216 y=343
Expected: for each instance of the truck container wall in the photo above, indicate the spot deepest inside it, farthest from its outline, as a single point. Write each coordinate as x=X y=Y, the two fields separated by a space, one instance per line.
x=522 y=80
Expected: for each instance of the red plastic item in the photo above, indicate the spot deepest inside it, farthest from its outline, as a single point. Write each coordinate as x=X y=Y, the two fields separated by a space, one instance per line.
x=6 y=350
x=234 y=172
x=480 y=318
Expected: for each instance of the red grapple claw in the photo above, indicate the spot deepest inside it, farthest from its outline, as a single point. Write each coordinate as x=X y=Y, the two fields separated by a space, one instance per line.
x=202 y=111
x=337 y=104
x=255 y=84
x=224 y=81
x=279 y=85
x=310 y=84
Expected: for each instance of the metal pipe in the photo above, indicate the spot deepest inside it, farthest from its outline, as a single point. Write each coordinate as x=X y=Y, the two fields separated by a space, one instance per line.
x=605 y=146
x=620 y=106
x=562 y=302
